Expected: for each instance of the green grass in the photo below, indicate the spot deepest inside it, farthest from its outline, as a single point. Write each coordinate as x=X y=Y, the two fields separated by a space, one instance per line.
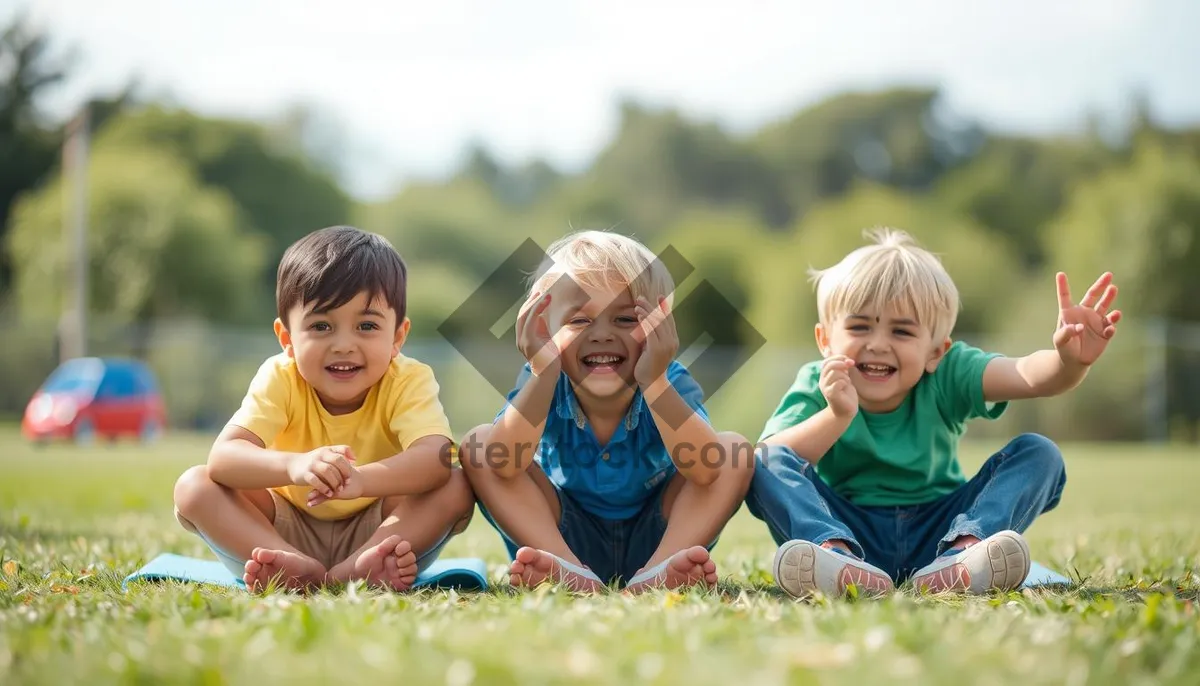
x=75 y=522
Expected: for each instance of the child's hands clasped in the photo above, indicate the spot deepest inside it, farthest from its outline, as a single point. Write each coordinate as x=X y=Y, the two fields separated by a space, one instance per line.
x=659 y=340
x=836 y=386
x=329 y=470
x=1084 y=330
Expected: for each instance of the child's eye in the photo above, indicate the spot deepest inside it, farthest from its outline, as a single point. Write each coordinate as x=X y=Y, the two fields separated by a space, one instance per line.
x=578 y=321
x=369 y=326
x=319 y=326
x=627 y=320
x=858 y=327
x=902 y=332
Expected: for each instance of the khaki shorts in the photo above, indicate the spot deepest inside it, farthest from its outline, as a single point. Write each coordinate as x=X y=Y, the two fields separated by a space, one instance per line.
x=327 y=542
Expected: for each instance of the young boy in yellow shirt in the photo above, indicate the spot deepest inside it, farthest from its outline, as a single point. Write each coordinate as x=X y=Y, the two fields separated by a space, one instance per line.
x=335 y=468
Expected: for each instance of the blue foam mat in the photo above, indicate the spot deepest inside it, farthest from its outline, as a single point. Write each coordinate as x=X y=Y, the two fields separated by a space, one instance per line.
x=1040 y=575
x=463 y=573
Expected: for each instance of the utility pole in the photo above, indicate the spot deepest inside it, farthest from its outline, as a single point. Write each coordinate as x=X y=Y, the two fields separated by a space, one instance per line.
x=1158 y=428
x=73 y=328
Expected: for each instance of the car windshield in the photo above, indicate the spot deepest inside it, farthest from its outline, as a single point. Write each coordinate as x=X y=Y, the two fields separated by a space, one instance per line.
x=76 y=376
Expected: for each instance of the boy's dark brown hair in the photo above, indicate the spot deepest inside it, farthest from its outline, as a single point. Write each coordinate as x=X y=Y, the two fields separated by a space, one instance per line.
x=331 y=266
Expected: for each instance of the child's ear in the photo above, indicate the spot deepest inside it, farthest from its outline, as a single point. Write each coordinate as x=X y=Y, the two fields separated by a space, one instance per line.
x=284 y=336
x=822 y=337
x=939 y=353
x=401 y=335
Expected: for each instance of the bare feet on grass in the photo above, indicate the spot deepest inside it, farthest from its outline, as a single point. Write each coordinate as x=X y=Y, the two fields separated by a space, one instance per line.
x=685 y=568
x=390 y=565
x=532 y=567
x=291 y=570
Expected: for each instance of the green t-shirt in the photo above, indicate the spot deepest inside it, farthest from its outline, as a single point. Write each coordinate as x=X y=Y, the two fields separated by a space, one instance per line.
x=907 y=456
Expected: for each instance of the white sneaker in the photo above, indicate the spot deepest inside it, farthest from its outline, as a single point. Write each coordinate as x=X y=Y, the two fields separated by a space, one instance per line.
x=998 y=562
x=803 y=568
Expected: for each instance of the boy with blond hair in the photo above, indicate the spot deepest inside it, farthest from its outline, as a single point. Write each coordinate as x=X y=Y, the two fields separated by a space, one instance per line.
x=602 y=466
x=860 y=481
x=334 y=467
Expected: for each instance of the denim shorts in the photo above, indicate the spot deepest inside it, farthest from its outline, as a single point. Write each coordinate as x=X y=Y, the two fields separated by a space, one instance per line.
x=612 y=548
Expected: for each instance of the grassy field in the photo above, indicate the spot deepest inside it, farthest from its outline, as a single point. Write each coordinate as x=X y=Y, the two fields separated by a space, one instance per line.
x=74 y=522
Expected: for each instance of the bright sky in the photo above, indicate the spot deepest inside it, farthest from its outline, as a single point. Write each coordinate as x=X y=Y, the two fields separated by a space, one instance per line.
x=413 y=82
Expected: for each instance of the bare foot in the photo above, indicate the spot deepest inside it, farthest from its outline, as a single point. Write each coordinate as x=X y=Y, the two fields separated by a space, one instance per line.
x=391 y=565
x=684 y=568
x=294 y=571
x=531 y=567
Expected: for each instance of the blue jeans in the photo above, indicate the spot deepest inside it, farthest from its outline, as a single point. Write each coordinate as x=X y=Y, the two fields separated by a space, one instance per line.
x=611 y=548
x=1025 y=479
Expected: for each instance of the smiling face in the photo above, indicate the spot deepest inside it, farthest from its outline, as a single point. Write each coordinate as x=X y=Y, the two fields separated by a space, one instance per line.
x=603 y=352
x=344 y=351
x=891 y=350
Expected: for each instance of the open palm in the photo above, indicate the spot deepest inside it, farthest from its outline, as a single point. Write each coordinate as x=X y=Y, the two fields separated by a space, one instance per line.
x=1084 y=330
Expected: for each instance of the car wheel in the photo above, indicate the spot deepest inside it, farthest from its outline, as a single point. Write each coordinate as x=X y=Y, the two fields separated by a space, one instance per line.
x=85 y=433
x=151 y=431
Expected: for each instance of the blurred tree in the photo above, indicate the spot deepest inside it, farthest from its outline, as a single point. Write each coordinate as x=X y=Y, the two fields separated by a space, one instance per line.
x=519 y=187
x=460 y=223
x=659 y=161
x=315 y=133
x=481 y=165
x=897 y=137
x=161 y=245
x=1141 y=221
x=980 y=263
x=28 y=147
x=716 y=244
x=278 y=191
x=1016 y=185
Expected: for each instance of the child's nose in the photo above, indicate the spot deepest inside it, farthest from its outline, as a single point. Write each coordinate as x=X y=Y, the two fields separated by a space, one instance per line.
x=599 y=331
x=876 y=343
x=343 y=344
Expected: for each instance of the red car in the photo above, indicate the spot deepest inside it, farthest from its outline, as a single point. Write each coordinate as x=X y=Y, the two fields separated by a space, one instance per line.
x=91 y=397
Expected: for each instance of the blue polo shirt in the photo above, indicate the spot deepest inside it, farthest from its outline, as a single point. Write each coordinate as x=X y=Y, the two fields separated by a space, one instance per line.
x=613 y=480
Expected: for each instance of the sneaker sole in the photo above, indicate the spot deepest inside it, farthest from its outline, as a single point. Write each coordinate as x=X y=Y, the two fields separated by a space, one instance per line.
x=795 y=570
x=1008 y=561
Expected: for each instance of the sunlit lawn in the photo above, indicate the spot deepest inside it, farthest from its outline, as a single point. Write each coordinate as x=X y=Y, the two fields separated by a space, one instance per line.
x=74 y=522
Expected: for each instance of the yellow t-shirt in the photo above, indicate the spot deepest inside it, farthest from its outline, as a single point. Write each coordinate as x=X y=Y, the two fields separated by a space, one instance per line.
x=284 y=411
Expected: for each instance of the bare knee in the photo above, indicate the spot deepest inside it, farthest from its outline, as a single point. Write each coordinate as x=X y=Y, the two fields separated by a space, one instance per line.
x=460 y=499
x=737 y=469
x=193 y=490
x=472 y=449
x=455 y=497
x=457 y=494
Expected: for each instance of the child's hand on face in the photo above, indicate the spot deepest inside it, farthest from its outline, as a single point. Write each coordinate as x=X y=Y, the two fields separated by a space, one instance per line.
x=1084 y=330
x=534 y=340
x=327 y=469
x=659 y=339
x=837 y=388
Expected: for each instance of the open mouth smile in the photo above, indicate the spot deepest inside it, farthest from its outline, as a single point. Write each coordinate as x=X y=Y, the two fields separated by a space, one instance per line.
x=343 y=370
x=876 y=371
x=604 y=363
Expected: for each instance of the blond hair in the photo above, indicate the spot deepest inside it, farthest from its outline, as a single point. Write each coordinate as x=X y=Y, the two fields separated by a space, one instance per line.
x=893 y=270
x=604 y=260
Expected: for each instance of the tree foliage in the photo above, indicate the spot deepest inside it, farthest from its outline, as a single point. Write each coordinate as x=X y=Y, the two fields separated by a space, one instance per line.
x=160 y=243
x=189 y=214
